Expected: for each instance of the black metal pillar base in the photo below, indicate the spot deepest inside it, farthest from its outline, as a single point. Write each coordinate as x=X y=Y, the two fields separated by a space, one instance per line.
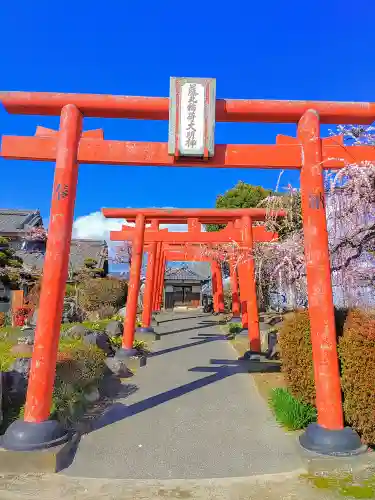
x=341 y=443
x=30 y=436
x=235 y=319
x=145 y=329
x=252 y=355
x=125 y=353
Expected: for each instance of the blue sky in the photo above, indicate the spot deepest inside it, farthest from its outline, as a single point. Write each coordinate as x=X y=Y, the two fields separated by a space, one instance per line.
x=272 y=49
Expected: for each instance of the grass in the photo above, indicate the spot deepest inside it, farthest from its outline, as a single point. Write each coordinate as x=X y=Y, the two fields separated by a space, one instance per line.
x=346 y=486
x=289 y=412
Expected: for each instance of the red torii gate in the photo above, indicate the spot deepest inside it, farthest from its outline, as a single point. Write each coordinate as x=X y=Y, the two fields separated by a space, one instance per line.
x=243 y=233
x=69 y=147
x=259 y=235
x=228 y=234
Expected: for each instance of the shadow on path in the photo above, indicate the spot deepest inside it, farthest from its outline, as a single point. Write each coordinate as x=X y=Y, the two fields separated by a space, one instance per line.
x=201 y=341
x=225 y=368
x=182 y=317
x=195 y=327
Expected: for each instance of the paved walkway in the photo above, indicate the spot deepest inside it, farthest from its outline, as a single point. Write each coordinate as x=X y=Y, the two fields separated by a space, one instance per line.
x=195 y=414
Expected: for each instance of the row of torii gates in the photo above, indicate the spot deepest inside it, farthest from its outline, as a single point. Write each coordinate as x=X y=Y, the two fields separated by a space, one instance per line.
x=162 y=246
x=192 y=110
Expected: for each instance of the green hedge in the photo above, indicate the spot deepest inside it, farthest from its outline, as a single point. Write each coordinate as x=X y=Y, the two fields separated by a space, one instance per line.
x=357 y=356
x=296 y=356
x=356 y=348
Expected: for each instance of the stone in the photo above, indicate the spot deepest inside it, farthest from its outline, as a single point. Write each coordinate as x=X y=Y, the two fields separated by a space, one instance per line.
x=276 y=319
x=28 y=339
x=118 y=367
x=122 y=312
x=114 y=329
x=21 y=366
x=101 y=340
x=92 y=396
x=22 y=349
x=71 y=311
x=17 y=376
x=76 y=332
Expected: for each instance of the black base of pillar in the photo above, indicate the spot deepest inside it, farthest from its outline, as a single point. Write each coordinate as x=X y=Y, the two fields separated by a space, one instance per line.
x=340 y=443
x=145 y=329
x=235 y=319
x=252 y=356
x=29 y=436
x=126 y=353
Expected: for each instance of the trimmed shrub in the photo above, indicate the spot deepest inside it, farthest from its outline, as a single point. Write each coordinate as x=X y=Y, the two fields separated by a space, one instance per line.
x=357 y=356
x=289 y=411
x=235 y=328
x=296 y=356
x=95 y=293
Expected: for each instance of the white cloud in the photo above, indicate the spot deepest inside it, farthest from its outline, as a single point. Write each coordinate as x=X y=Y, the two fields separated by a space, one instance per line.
x=96 y=227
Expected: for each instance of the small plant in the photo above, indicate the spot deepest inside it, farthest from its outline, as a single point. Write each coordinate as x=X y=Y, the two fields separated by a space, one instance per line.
x=289 y=411
x=90 y=263
x=141 y=346
x=235 y=328
x=116 y=342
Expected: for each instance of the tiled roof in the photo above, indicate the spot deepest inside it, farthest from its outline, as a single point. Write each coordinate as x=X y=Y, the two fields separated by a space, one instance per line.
x=88 y=249
x=13 y=221
x=182 y=274
x=79 y=251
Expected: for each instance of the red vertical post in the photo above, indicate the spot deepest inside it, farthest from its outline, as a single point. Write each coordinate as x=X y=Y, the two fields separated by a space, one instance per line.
x=252 y=304
x=148 y=295
x=23 y=435
x=161 y=283
x=156 y=276
x=55 y=269
x=193 y=225
x=243 y=279
x=214 y=286
x=328 y=436
x=320 y=299
x=220 y=289
x=234 y=289
x=148 y=298
x=134 y=285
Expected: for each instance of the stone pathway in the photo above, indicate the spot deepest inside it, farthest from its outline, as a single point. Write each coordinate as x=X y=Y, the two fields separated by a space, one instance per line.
x=194 y=414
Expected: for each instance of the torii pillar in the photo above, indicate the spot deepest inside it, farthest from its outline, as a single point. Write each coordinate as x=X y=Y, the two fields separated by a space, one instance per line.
x=217 y=287
x=130 y=320
x=151 y=273
x=236 y=307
